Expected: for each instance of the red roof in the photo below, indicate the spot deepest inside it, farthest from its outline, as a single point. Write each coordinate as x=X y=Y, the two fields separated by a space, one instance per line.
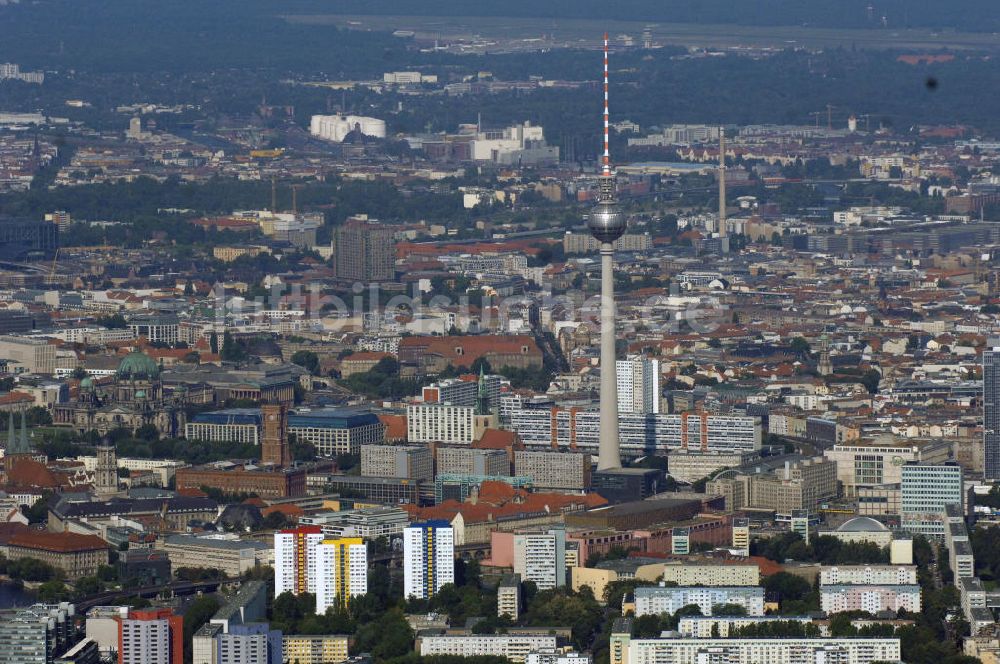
x=366 y=356
x=57 y=542
x=464 y=350
x=288 y=509
x=16 y=397
x=27 y=472
x=395 y=426
x=498 y=499
x=496 y=439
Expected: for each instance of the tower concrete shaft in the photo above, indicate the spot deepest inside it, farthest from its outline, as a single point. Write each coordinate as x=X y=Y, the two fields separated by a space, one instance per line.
x=722 y=182
x=609 y=454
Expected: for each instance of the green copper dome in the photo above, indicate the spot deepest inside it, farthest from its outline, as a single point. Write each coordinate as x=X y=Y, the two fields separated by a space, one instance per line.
x=138 y=365
x=87 y=383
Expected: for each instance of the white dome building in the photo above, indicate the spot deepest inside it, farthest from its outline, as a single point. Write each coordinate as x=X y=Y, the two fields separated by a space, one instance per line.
x=336 y=127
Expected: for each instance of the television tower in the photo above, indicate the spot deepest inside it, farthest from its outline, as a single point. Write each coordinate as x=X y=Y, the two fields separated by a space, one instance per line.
x=607 y=223
x=723 y=240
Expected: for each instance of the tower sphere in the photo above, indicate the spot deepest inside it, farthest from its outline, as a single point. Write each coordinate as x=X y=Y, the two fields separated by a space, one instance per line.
x=606 y=221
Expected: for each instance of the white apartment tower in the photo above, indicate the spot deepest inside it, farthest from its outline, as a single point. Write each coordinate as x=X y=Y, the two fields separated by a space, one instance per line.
x=428 y=558
x=342 y=572
x=541 y=557
x=295 y=560
x=638 y=385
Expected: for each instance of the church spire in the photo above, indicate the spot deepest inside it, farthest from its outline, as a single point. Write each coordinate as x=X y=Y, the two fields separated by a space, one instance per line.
x=483 y=397
x=23 y=447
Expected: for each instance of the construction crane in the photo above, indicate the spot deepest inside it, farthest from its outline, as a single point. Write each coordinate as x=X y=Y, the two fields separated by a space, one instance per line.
x=815 y=116
x=52 y=270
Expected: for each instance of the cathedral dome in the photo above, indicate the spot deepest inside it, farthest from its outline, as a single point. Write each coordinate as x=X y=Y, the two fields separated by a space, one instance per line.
x=138 y=365
x=87 y=384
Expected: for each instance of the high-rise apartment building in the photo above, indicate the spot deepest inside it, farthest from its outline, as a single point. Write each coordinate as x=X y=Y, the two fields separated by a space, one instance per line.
x=151 y=636
x=554 y=469
x=927 y=488
x=364 y=252
x=799 y=524
x=428 y=558
x=991 y=413
x=295 y=559
x=509 y=596
x=639 y=433
x=741 y=536
x=680 y=541
x=341 y=572
x=440 y=423
x=333 y=569
x=460 y=460
x=462 y=392
x=540 y=557
x=410 y=461
x=638 y=385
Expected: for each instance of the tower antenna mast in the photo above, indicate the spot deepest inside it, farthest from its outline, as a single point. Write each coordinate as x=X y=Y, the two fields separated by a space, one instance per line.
x=606 y=223
x=606 y=159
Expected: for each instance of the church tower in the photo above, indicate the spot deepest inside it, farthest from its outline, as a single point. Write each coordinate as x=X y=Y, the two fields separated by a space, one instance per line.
x=825 y=366
x=106 y=471
x=483 y=405
x=274 y=445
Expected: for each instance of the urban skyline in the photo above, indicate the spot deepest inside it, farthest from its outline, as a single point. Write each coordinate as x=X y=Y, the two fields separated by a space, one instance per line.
x=371 y=335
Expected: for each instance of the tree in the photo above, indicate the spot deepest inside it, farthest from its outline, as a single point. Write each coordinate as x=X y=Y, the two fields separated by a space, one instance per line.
x=800 y=346
x=871 y=379
x=198 y=613
x=387 y=636
x=562 y=606
x=306 y=359
x=275 y=520
x=53 y=591
x=480 y=364
x=302 y=450
x=787 y=586
x=88 y=585
x=112 y=322
x=39 y=510
x=729 y=610
x=232 y=350
x=646 y=627
x=39 y=416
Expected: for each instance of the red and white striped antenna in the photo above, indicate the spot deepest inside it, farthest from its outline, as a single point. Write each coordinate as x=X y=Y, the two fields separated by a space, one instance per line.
x=606 y=160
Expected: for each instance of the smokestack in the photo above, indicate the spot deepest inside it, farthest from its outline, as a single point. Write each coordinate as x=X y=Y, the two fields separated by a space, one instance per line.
x=722 y=182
